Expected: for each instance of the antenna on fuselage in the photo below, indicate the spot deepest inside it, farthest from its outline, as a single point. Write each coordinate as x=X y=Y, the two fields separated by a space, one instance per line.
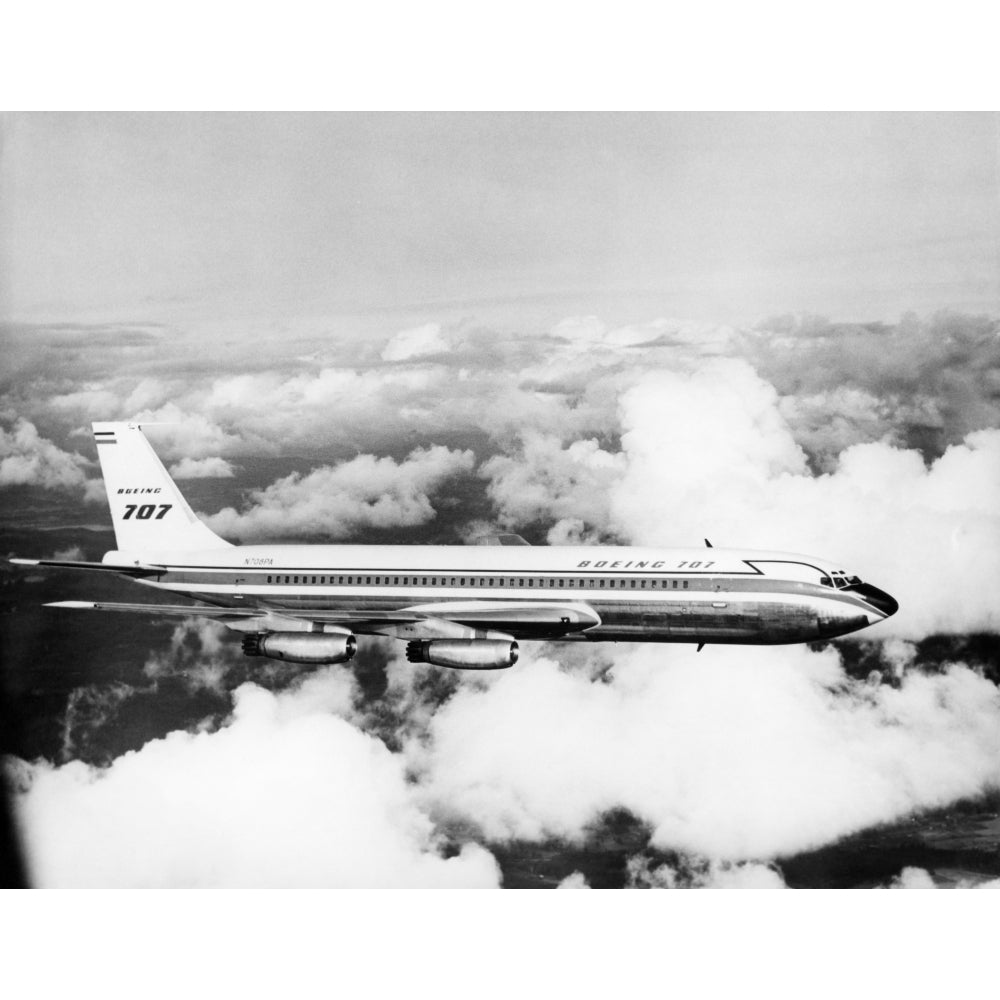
x=708 y=543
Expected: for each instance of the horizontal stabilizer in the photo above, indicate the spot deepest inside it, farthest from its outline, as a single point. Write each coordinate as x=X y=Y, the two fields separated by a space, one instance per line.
x=136 y=569
x=220 y=614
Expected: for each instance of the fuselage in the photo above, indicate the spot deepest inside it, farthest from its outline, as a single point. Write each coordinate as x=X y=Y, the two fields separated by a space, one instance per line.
x=708 y=595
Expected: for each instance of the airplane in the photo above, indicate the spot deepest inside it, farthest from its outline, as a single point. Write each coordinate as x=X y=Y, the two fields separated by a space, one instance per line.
x=461 y=606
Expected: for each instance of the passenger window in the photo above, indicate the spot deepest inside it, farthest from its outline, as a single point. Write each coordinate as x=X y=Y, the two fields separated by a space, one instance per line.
x=268 y=579
x=633 y=584
x=685 y=585
x=643 y=584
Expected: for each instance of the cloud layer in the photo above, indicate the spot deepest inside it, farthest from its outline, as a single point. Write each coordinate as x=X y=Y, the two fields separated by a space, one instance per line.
x=287 y=794
x=731 y=758
x=740 y=754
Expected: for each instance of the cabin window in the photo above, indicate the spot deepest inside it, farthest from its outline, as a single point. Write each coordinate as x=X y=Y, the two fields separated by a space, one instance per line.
x=268 y=579
x=633 y=584
x=643 y=584
x=685 y=585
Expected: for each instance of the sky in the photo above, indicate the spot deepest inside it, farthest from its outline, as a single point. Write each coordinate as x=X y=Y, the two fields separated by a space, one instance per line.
x=778 y=331
x=273 y=220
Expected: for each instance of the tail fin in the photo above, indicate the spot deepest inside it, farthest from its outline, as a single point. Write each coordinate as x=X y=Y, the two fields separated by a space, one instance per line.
x=147 y=509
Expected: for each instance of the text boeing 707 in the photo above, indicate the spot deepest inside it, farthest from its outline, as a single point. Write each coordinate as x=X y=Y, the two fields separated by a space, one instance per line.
x=456 y=606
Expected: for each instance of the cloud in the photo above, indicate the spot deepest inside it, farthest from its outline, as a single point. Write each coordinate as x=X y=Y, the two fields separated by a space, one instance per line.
x=202 y=468
x=543 y=480
x=918 y=878
x=733 y=754
x=575 y=881
x=287 y=794
x=415 y=343
x=336 y=500
x=702 y=874
x=28 y=459
x=709 y=453
x=939 y=370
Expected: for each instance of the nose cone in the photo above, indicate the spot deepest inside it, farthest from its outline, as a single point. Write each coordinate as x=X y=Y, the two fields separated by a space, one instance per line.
x=884 y=603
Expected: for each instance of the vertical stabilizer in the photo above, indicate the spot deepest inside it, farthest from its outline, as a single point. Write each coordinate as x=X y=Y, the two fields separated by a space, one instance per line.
x=147 y=510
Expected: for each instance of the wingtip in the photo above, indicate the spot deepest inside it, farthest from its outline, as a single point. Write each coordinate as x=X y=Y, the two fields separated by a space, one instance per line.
x=85 y=605
x=24 y=562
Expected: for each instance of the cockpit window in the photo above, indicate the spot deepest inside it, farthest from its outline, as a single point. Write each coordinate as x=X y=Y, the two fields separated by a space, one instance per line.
x=825 y=581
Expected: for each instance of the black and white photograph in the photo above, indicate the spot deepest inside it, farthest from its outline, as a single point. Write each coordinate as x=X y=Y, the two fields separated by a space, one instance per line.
x=520 y=499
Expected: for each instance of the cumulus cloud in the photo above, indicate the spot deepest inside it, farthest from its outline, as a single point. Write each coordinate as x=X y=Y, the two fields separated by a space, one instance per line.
x=709 y=454
x=702 y=874
x=938 y=371
x=733 y=754
x=544 y=480
x=28 y=459
x=918 y=878
x=335 y=500
x=202 y=468
x=287 y=794
x=415 y=343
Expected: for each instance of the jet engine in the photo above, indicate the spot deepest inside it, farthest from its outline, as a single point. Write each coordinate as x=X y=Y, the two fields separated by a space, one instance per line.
x=301 y=647
x=464 y=654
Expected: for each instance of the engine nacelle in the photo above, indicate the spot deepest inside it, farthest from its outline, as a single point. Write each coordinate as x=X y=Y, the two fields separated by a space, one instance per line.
x=464 y=654
x=302 y=647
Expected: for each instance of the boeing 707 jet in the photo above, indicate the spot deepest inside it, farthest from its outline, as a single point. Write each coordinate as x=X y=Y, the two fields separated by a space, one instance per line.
x=455 y=606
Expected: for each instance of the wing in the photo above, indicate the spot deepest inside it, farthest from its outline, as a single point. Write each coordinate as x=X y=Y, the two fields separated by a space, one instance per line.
x=452 y=619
